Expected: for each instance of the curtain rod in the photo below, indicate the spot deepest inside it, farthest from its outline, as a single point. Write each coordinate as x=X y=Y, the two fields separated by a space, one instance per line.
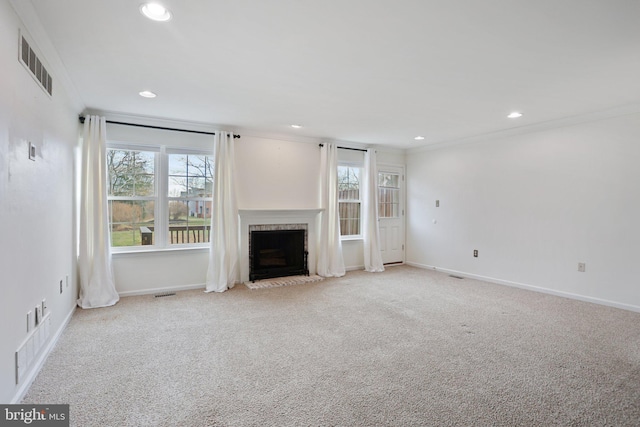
x=158 y=127
x=348 y=148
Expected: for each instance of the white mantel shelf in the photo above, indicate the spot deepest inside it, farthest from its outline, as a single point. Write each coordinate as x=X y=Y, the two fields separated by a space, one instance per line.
x=278 y=213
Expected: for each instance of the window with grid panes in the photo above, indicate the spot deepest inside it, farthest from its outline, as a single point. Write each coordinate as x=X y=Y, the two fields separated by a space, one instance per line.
x=131 y=195
x=159 y=199
x=189 y=200
x=349 y=201
x=388 y=195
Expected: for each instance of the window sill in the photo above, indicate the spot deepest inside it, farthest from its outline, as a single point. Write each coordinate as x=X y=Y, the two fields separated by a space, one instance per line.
x=158 y=251
x=351 y=238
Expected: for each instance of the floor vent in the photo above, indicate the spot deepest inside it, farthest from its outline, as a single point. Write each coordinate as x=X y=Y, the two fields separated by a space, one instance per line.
x=31 y=61
x=456 y=277
x=166 y=294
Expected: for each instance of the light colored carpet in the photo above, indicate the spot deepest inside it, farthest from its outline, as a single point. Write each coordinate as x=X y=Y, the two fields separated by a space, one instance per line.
x=407 y=347
x=283 y=281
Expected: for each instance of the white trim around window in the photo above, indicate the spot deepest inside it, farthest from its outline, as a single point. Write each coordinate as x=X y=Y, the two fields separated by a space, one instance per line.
x=350 y=200
x=145 y=217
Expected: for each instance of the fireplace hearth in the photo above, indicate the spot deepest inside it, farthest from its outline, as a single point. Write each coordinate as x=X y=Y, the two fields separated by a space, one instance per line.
x=277 y=252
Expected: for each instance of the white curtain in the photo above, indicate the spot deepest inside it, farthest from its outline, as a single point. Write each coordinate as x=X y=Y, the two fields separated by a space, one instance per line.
x=223 y=271
x=97 y=287
x=330 y=261
x=370 y=229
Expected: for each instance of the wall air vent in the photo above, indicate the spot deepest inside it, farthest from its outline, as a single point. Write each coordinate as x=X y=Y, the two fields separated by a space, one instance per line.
x=32 y=63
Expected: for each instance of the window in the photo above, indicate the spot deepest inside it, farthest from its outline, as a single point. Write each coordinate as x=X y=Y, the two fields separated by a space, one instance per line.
x=388 y=195
x=349 y=202
x=131 y=195
x=189 y=198
x=159 y=198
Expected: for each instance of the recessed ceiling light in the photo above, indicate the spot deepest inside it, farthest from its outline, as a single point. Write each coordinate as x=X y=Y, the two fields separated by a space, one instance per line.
x=155 y=12
x=419 y=138
x=296 y=126
x=514 y=115
x=147 y=94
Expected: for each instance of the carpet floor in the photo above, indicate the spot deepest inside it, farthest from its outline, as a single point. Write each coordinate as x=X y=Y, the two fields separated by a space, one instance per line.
x=406 y=347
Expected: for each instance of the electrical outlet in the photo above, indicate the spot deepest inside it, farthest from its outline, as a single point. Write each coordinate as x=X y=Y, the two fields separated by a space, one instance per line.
x=475 y=253
x=32 y=151
x=582 y=267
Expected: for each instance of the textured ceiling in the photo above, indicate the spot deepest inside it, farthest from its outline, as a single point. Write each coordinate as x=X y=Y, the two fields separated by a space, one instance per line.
x=371 y=72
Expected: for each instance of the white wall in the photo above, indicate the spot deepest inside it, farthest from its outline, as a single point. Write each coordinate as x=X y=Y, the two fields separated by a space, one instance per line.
x=37 y=201
x=274 y=174
x=152 y=272
x=390 y=157
x=534 y=206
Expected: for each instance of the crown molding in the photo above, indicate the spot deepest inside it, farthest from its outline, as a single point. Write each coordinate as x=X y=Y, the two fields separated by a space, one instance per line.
x=536 y=127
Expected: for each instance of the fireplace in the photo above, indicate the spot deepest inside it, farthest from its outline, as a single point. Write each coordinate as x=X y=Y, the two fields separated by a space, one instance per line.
x=274 y=220
x=277 y=252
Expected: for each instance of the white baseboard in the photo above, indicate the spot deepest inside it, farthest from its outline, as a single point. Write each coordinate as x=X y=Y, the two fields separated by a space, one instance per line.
x=35 y=370
x=162 y=290
x=540 y=289
x=361 y=267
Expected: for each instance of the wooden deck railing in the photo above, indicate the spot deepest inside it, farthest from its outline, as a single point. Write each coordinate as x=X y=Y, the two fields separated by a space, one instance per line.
x=179 y=234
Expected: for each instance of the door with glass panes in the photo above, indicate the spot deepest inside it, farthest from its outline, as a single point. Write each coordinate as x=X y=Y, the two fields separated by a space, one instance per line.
x=391 y=213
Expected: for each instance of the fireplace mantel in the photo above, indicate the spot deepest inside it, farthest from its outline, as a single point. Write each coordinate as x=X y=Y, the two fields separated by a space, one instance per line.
x=276 y=216
x=278 y=213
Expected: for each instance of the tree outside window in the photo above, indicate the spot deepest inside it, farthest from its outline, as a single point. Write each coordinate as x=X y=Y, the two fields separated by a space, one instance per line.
x=131 y=195
x=142 y=215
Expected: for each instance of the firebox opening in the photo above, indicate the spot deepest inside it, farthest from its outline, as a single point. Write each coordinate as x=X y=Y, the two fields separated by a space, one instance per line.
x=277 y=253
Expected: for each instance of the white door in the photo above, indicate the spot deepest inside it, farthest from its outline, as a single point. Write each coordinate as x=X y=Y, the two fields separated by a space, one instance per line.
x=391 y=213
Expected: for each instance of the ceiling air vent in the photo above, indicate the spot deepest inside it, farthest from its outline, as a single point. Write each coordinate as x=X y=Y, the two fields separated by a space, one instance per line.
x=31 y=61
